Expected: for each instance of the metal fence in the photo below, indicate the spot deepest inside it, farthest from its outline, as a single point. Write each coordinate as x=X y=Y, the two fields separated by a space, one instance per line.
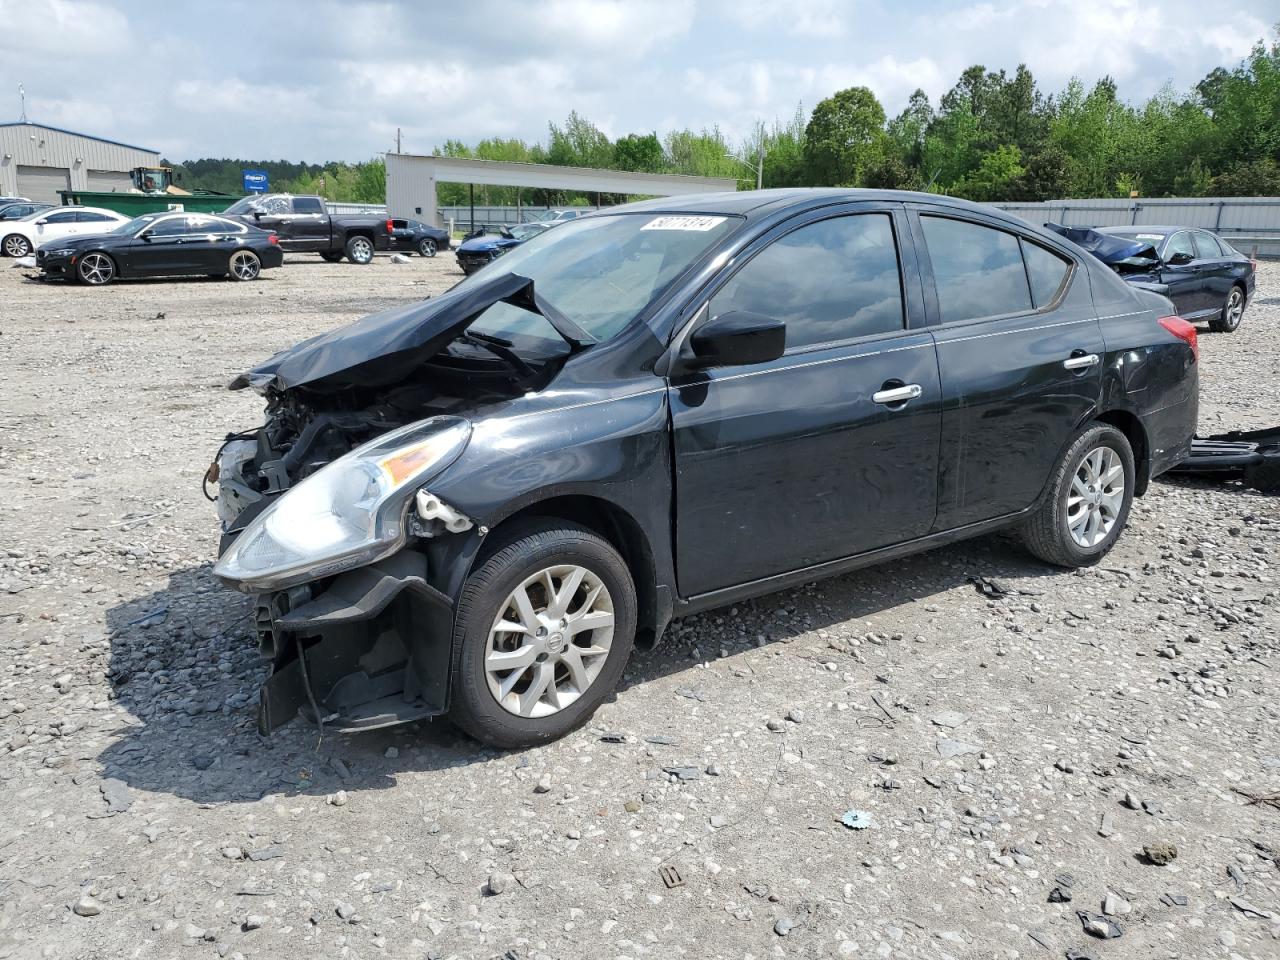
x=495 y=216
x=1250 y=224
x=377 y=209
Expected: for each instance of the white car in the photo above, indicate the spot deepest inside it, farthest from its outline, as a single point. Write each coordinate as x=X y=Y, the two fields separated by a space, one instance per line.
x=22 y=237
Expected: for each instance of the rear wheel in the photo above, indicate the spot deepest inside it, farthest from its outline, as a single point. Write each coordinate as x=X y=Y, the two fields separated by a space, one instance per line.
x=96 y=269
x=331 y=257
x=16 y=245
x=427 y=247
x=544 y=630
x=244 y=265
x=1228 y=321
x=359 y=250
x=1088 y=500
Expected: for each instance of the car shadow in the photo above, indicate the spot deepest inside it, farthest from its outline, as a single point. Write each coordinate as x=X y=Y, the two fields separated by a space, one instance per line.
x=184 y=666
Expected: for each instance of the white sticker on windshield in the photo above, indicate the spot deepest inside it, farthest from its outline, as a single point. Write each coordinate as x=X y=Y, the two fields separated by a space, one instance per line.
x=683 y=223
x=1151 y=236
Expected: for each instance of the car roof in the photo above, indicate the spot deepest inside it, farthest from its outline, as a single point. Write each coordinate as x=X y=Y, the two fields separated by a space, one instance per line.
x=1128 y=229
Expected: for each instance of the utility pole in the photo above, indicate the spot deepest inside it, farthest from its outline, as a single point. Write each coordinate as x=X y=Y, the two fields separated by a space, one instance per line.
x=397 y=139
x=22 y=99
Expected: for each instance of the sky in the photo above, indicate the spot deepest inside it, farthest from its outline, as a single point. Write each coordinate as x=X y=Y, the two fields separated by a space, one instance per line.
x=321 y=81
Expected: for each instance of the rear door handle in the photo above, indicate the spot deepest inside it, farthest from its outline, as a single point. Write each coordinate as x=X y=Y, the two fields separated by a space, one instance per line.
x=1079 y=363
x=901 y=394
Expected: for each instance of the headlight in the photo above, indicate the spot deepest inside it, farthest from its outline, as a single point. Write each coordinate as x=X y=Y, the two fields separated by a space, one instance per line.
x=66 y=252
x=347 y=514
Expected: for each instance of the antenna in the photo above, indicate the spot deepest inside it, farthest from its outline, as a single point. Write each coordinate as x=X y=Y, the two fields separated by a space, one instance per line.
x=22 y=99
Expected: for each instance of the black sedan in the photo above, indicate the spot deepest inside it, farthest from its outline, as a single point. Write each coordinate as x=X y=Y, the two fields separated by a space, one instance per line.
x=423 y=239
x=669 y=407
x=164 y=245
x=22 y=208
x=1204 y=276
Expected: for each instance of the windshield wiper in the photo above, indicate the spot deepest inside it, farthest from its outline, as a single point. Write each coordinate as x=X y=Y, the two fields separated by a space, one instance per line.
x=500 y=348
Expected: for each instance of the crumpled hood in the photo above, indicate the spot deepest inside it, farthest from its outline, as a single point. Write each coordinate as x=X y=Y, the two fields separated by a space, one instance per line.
x=1106 y=247
x=484 y=244
x=383 y=348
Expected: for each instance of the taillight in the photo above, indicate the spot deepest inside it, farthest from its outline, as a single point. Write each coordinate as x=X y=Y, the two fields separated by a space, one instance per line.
x=390 y=226
x=1183 y=331
x=272 y=238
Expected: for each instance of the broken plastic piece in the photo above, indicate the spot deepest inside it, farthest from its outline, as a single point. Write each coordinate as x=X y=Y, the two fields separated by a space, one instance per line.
x=431 y=507
x=671 y=875
x=856 y=819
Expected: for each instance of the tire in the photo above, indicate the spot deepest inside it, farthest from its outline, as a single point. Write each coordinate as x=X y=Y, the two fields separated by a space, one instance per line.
x=1048 y=532
x=1228 y=321
x=95 y=269
x=331 y=257
x=359 y=249
x=426 y=247
x=16 y=245
x=532 y=717
x=243 y=266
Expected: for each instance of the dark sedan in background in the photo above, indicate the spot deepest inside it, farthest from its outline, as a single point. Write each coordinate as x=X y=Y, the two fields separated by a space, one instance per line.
x=1204 y=276
x=476 y=251
x=22 y=208
x=163 y=245
x=423 y=239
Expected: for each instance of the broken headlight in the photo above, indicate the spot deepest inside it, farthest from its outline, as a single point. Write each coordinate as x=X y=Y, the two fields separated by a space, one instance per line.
x=347 y=514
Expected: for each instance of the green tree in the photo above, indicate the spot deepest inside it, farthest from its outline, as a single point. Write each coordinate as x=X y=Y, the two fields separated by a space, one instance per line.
x=996 y=176
x=844 y=136
x=639 y=152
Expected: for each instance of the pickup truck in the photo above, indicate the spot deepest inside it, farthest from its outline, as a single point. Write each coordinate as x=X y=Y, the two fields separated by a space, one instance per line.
x=304 y=225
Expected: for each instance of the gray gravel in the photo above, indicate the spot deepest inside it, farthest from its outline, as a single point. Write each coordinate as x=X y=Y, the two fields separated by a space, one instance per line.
x=990 y=741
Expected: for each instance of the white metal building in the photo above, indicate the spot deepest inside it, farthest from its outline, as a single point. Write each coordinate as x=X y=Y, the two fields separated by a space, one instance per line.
x=412 y=179
x=38 y=161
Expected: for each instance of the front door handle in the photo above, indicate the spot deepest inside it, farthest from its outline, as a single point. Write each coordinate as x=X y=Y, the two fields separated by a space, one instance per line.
x=901 y=394
x=1081 y=362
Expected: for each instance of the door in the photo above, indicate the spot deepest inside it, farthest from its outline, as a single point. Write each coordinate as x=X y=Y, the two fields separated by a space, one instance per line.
x=1217 y=269
x=1020 y=355
x=274 y=213
x=109 y=181
x=830 y=450
x=55 y=226
x=43 y=183
x=1184 y=274
x=309 y=229
x=163 y=248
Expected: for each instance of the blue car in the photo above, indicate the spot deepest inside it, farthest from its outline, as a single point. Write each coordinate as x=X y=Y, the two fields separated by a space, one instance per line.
x=475 y=252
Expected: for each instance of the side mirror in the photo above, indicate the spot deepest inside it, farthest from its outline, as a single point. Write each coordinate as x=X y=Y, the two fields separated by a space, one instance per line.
x=257 y=214
x=1180 y=259
x=41 y=223
x=145 y=235
x=737 y=338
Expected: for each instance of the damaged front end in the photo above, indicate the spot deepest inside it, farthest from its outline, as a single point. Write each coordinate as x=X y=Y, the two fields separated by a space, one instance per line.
x=326 y=513
x=1250 y=456
x=1127 y=256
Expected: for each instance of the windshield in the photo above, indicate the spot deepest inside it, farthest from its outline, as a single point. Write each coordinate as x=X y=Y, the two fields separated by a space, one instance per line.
x=600 y=272
x=131 y=227
x=523 y=231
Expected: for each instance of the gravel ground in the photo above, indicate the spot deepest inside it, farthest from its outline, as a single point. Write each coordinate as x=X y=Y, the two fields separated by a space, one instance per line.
x=1014 y=754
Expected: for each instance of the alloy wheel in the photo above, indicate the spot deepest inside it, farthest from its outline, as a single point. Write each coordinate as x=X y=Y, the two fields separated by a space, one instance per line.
x=1096 y=497
x=361 y=250
x=427 y=248
x=1235 y=308
x=244 y=265
x=16 y=246
x=550 y=640
x=96 y=269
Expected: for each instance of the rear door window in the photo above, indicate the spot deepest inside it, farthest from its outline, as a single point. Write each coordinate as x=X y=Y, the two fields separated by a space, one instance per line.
x=1180 y=243
x=1047 y=272
x=1207 y=245
x=829 y=281
x=978 y=270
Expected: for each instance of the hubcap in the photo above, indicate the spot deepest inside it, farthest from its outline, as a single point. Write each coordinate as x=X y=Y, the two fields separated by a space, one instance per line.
x=549 y=641
x=15 y=247
x=1095 y=497
x=96 y=269
x=244 y=265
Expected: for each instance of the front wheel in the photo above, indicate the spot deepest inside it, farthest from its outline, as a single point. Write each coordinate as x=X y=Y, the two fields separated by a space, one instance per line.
x=1088 y=500
x=360 y=250
x=1228 y=321
x=16 y=245
x=328 y=257
x=96 y=269
x=244 y=265
x=427 y=247
x=543 y=632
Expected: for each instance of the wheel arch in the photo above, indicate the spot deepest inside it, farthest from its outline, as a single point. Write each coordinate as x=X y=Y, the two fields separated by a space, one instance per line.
x=1128 y=423
x=620 y=529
